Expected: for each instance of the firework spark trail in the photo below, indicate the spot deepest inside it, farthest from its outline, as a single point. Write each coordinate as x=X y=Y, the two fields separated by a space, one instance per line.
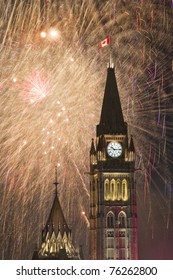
x=51 y=96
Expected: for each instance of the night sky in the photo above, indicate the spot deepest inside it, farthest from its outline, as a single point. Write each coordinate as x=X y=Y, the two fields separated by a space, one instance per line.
x=52 y=82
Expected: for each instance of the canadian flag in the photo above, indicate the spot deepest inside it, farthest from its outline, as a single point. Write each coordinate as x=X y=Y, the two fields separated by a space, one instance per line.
x=105 y=42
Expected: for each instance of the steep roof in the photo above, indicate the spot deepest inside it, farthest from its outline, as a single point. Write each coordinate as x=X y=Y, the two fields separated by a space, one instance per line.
x=56 y=221
x=111 y=119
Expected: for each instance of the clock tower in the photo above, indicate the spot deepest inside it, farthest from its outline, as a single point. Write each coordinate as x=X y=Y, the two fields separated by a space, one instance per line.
x=113 y=210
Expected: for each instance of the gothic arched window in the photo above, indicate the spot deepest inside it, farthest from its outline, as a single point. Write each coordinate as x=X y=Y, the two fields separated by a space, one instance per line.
x=110 y=220
x=113 y=189
x=119 y=190
x=122 y=219
x=124 y=190
x=106 y=190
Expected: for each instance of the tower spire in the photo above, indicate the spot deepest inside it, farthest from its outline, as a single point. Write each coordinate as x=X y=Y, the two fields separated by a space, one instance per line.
x=111 y=119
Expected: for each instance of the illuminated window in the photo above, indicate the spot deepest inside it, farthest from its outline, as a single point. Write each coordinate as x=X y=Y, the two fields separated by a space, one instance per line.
x=122 y=220
x=110 y=220
x=119 y=191
x=106 y=190
x=124 y=190
x=113 y=190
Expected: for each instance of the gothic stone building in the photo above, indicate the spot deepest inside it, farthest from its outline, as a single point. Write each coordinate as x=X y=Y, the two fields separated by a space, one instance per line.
x=113 y=211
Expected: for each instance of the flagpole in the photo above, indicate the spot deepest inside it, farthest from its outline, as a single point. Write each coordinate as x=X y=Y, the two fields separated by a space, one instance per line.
x=110 y=58
x=110 y=55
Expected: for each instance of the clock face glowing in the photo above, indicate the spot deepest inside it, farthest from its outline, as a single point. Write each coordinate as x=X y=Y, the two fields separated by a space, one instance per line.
x=114 y=149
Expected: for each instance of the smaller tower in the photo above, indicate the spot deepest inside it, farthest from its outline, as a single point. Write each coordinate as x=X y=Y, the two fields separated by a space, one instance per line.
x=56 y=241
x=101 y=148
x=131 y=150
x=93 y=153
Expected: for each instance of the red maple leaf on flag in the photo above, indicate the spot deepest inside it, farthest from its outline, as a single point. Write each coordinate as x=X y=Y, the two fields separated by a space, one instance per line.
x=105 y=42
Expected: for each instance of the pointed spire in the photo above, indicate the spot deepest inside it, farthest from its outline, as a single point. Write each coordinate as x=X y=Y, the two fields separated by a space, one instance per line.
x=131 y=146
x=92 y=150
x=56 y=221
x=111 y=120
x=131 y=150
x=93 y=159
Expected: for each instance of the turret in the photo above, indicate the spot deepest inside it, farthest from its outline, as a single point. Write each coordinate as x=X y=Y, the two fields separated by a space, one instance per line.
x=131 y=150
x=101 y=148
x=93 y=159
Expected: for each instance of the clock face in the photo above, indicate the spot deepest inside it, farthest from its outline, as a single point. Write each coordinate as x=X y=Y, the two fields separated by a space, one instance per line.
x=114 y=149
